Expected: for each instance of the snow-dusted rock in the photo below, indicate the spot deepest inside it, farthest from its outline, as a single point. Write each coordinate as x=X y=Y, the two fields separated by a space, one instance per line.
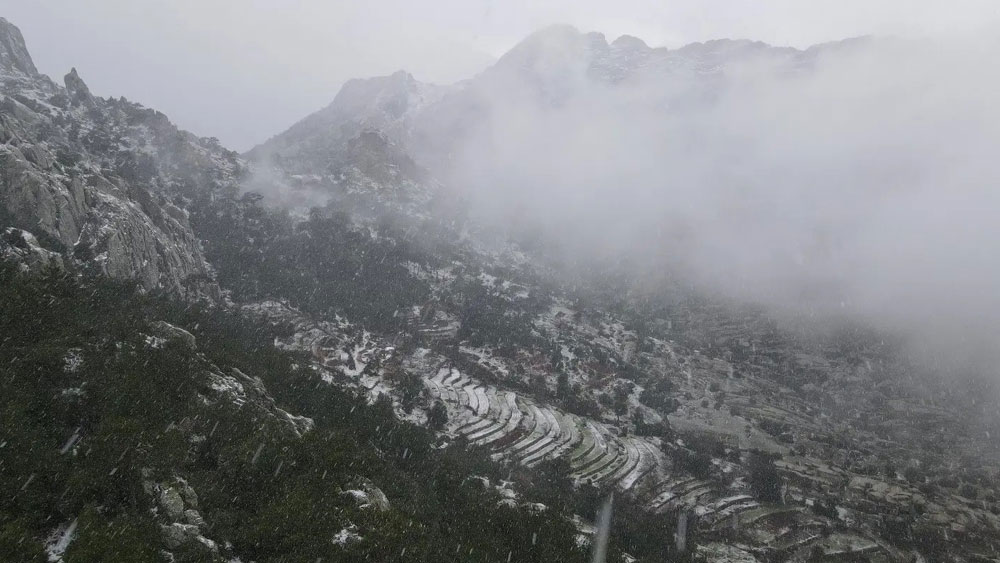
x=13 y=53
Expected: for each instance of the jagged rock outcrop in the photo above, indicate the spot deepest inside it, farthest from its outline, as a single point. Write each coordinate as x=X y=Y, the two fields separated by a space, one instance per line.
x=168 y=331
x=366 y=495
x=184 y=525
x=22 y=248
x=13 y=52
x=78 y=91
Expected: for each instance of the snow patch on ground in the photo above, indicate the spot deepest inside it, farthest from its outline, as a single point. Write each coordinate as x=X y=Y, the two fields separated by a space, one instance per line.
x=347 y=536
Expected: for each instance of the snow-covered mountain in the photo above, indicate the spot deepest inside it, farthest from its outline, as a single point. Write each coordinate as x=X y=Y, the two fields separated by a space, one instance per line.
x=548 y=68
x=705 y=414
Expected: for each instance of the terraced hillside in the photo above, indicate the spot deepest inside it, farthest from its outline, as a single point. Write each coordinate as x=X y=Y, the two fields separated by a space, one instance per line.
x=699 y=468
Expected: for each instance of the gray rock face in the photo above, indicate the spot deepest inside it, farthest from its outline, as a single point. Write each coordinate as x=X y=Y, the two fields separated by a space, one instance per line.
x=175 y=535
x=13 y=53
x=172 y=503
x=53 y=207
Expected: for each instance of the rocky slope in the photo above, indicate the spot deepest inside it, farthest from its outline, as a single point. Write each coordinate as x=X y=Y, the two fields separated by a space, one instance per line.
x=102 y=182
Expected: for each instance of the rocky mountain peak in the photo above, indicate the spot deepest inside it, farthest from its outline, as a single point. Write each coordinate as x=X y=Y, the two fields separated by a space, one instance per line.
x=552 y=48
x=389 y=94
x=13 y=53
x=383 y=103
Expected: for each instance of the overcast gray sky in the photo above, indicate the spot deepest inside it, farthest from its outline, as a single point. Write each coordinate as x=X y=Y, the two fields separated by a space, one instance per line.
x=243 y=70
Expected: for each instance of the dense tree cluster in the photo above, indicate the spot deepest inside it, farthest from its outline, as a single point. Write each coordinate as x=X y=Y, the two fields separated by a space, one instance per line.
x=763 y=478
x=324 y=265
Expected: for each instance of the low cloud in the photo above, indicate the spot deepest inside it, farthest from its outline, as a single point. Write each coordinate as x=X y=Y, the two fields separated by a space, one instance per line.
x=861 y=179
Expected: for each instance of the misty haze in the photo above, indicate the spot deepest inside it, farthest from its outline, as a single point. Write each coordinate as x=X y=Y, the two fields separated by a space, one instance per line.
x=465 y=281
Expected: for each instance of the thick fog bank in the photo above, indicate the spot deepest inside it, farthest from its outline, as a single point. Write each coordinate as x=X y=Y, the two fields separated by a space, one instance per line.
x=861 y=178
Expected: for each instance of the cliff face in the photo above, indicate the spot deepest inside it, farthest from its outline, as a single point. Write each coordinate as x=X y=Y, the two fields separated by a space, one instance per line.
x=103 y=182
x=13 y=53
